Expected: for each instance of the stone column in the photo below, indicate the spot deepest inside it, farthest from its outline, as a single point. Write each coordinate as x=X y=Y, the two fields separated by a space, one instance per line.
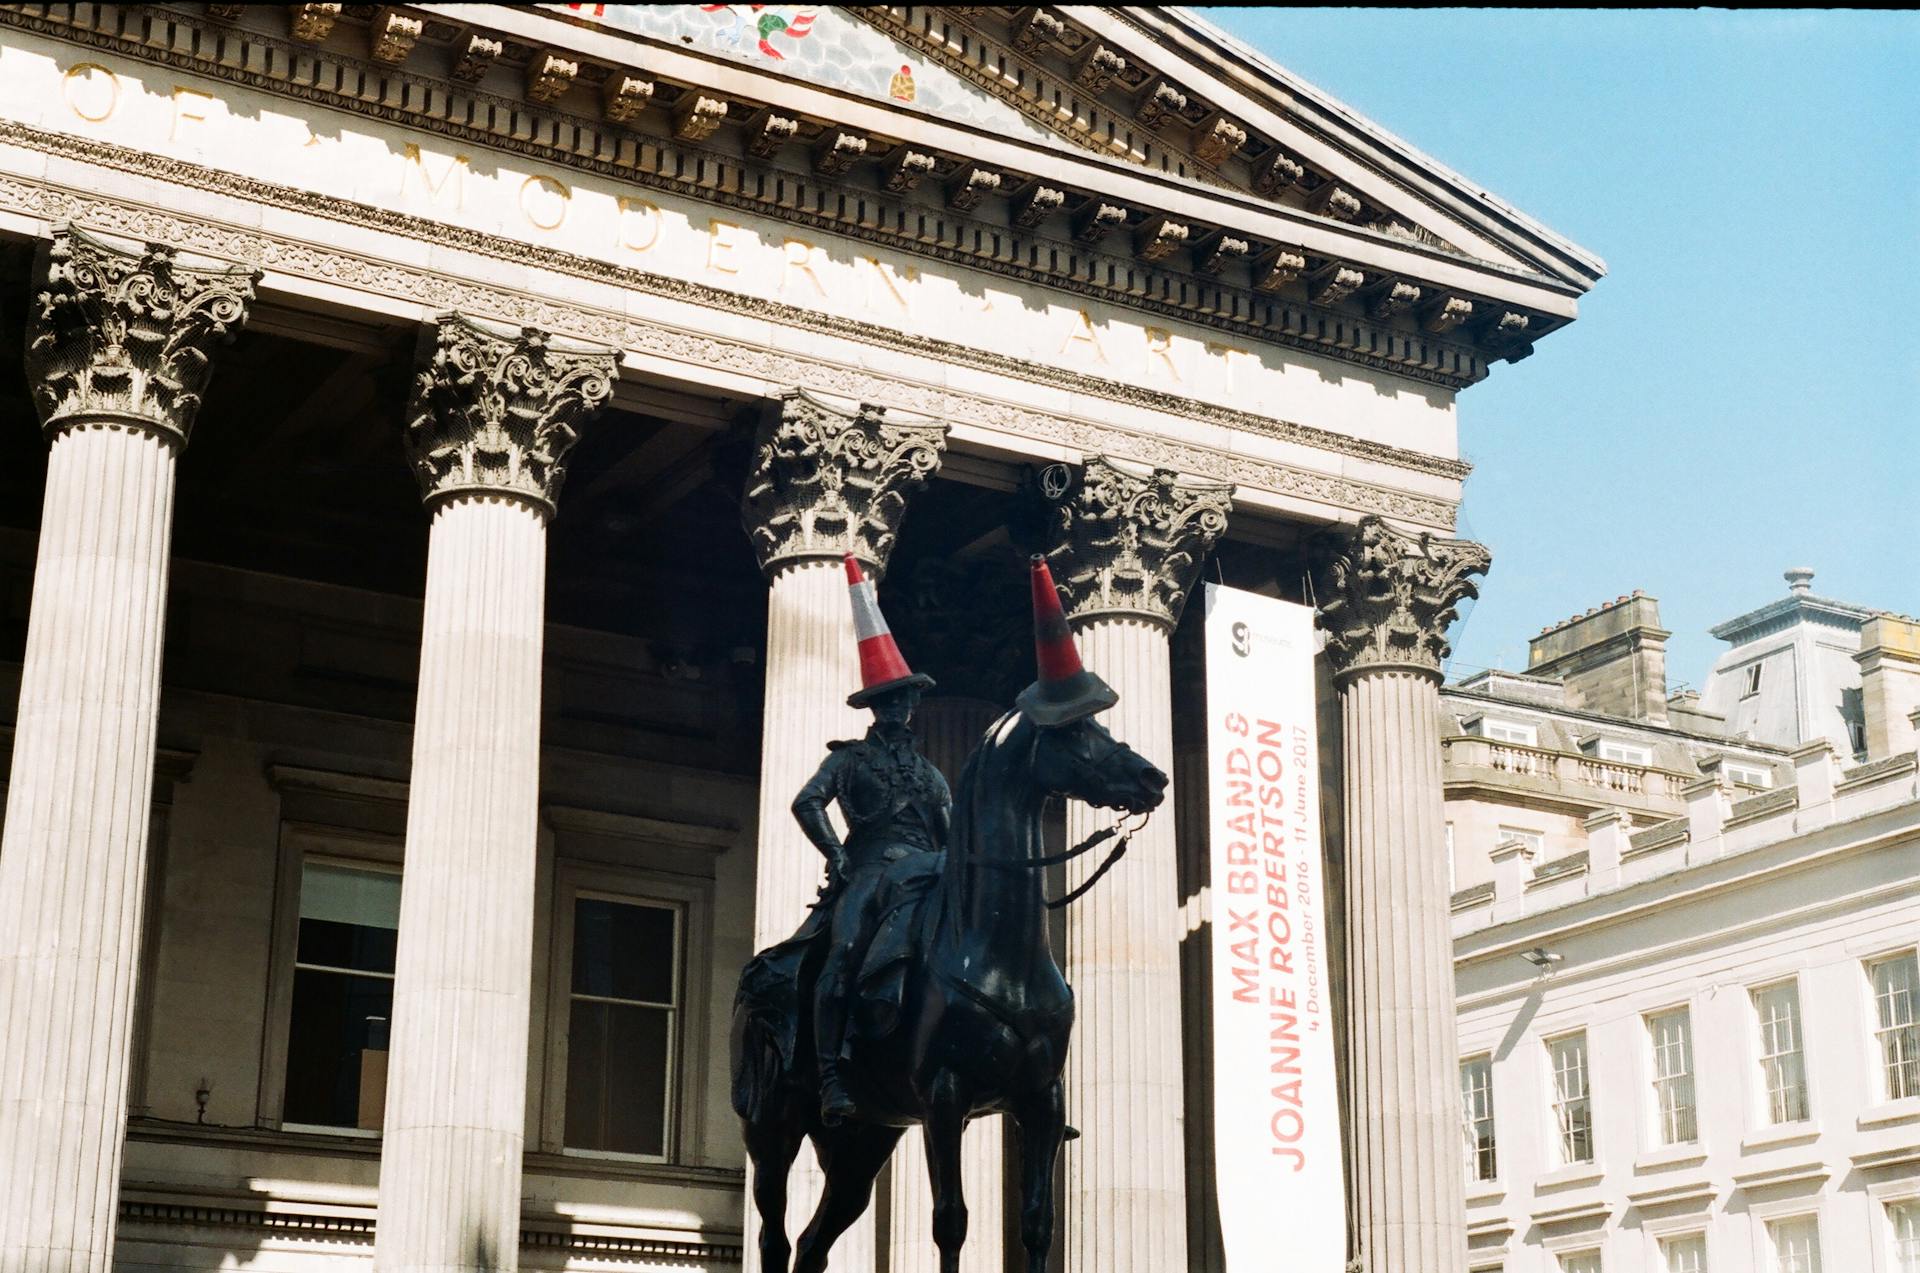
x=118 y=353
x=1127 y=552
x=1389 y=600
x=949 y=729
x=490 y=420
x=823 y=483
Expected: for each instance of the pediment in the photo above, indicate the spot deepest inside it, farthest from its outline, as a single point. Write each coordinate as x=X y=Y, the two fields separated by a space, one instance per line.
x=1159 y=90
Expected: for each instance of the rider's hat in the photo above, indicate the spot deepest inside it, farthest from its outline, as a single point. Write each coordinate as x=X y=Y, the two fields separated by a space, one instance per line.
x=1066 y=691
x=882 y=669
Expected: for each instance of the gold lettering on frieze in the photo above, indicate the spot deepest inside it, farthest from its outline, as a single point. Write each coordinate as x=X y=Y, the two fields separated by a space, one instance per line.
x=1080 y=332
x=186 y=109
x=1226 y=353
x=544 y=201
x=91 y=90
x=799 y=260
x=881 y=279
x=1160 y=347
x=723 y=247
x=639 y=227
x=413 y=171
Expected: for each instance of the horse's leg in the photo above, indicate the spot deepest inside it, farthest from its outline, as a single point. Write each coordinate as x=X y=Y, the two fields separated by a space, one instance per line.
x=946 y=1120
x=852 y=1155
x=1042 y=1120
x=772 y=1145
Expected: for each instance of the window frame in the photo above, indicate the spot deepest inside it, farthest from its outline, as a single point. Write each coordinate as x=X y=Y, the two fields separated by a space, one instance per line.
x=299 y=842
x=1876 y=1052
x=1638 y=754
x=1657 y=1120
x=1556 y=1123
x=1662 y=1240
x=1599 y=1255
x=1768 y=1220
x=1529 y=734
x=1761 y=1107
x=1885 y=1199
x=1733 y=769
x=692 y=901
x=1469 y=1123
x=1751 y=679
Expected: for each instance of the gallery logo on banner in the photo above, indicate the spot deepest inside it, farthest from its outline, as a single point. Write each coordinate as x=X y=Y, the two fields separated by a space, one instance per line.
x=1276 y=1110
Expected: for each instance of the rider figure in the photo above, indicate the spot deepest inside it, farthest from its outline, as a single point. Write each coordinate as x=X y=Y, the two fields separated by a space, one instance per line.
x=894 y=802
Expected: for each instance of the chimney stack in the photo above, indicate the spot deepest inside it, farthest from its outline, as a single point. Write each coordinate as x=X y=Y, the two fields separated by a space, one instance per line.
x=1613 y=658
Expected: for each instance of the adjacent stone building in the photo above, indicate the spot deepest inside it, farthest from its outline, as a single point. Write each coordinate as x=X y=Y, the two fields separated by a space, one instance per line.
x=421 y=591
x=1685 y=948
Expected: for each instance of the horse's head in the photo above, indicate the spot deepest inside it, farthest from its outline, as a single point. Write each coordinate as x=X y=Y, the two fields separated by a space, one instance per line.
x=1082 y=760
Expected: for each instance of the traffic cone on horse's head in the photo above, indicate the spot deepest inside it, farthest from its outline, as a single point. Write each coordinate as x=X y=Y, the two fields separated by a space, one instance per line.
x=882 y=669
x=1066 y=691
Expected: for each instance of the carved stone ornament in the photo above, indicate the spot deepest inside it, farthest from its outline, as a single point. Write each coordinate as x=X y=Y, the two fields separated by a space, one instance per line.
x=824 y=483
x=1131 y=546
x=125 y=338
x=970 y=185
x=472 y=62
x=393 y=35
x=1160 y=103
x=1390 y=597
x=496 y=414
x=313 y=23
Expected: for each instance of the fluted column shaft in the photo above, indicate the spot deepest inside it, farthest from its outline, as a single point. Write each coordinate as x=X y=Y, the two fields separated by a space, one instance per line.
x=949 y=729
x=456 y=1090
x=490 y=420
x=119 y=350
x=813 y=663
x=1124 y=1181
x=1404 y=1108
x=73 y=862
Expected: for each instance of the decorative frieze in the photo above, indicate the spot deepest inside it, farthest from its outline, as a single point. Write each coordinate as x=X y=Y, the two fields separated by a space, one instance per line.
x=1096 y=67
x=312 y=23
x=393 y=35
x=1218 y=250
x=125 y=337
x=623 y=97
x=1131 y=546
x=226 y=12
x=549 y=76
x=1217 y=139
x=1161 y=102
x=1037 y=28
x=824 y=483
x=837 y=151
x=905 y=168
x=1390 y=597
x=496 y=414
x=970 y=184
x=1035 y=204
x=475 y=57
x=696 y=117
x=1445 y=314
x=1096 y=219
x=767 y=133
x=1276 y=172
x=1277 y=267
x=1334 y=283
x=1159 y=238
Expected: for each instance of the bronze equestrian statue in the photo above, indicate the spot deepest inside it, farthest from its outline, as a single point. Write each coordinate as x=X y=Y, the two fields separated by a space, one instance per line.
x=922 y=988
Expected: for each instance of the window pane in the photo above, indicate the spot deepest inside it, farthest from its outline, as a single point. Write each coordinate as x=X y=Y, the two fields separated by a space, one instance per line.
x=1904 y=1219
x=1671 y=1034
x=1580 y=1262
x=1796 y=1245
x=349 y=918
x=617 y=1063
x=1685 y=1255
x=623 y=951
x=1898 y=1024
x=1476 y=1100
x=1572 y=1108
x=337 y=1049
x=1783 y=1070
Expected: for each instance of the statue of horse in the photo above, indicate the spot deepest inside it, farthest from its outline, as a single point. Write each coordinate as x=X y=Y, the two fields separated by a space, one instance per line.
x=977 y=1020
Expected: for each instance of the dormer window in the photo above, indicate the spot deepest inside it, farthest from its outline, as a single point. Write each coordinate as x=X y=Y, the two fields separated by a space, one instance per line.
x=1507 y=731
x=1625 y=753
x=1746 y=775
x=1753 y=682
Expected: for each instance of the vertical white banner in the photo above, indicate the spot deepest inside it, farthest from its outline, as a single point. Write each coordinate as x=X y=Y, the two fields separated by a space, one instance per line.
x=1276 y=1121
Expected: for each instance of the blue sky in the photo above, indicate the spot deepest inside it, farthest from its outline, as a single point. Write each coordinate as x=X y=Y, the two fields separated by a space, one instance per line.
x=1742 y=392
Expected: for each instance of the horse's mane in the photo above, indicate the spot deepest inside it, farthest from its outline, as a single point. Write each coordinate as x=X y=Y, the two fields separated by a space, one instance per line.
x=960 y=846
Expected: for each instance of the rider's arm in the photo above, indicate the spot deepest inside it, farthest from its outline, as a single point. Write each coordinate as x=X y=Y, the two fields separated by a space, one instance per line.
x=810 y=808
x=942 y=812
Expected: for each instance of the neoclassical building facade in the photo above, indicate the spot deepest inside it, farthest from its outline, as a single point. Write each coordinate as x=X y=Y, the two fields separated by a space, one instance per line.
x=422 y=590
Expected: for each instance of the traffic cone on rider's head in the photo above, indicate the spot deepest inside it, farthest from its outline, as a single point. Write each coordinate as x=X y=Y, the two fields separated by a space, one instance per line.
x=1066 y=691
x=882 y=669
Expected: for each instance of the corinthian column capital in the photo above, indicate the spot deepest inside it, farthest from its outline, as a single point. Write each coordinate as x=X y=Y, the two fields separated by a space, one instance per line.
x=1391 y=597
x=1131 y=546
x=824 y=483
x=123 y=338
x=496 y=414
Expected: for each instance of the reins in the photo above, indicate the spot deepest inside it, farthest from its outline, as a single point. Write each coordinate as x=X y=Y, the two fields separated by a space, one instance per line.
x=1124 y=830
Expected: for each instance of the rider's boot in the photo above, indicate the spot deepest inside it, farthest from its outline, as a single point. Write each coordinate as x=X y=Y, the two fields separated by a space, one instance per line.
x=830 y=1028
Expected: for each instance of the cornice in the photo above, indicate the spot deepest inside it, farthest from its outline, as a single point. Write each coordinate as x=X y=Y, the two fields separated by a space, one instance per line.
x=1410 y=346
x=49 y=202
